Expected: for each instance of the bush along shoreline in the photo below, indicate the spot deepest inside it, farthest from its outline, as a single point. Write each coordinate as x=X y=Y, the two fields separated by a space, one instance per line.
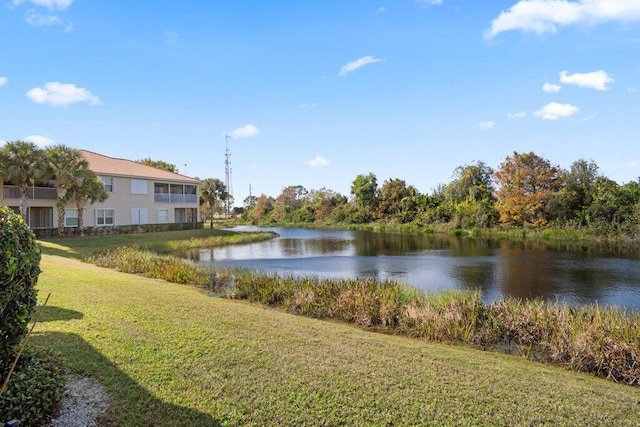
x=600 y=340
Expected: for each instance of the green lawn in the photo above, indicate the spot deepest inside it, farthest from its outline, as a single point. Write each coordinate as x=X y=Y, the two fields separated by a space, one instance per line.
x=170 y=355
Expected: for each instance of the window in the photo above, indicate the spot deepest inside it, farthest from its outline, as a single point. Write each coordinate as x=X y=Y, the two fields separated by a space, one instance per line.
x=139 y=186
x=70 y=217
x=109 y=184
x=105 y=216
x=139 y=216
x=163 y=216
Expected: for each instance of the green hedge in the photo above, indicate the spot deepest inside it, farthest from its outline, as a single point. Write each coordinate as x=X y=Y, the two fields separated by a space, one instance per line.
x=35 y=389
x=36 y=385
x=19 y=270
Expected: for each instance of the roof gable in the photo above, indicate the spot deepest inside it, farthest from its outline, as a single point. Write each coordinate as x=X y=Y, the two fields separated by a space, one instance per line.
x=105 y=165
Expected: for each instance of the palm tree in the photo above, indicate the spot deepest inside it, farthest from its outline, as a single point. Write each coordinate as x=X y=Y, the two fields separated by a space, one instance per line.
x=86 y=188
x=66 y=164
x=23 y=164
x=212 y=192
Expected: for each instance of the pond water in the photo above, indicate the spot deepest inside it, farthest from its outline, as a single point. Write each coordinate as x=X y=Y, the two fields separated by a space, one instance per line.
x=576 y=274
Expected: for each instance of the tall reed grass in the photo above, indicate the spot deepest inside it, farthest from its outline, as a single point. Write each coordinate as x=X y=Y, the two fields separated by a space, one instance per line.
x=600 y=340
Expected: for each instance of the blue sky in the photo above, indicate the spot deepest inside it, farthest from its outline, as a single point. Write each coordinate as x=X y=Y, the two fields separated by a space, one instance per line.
x=314 y=93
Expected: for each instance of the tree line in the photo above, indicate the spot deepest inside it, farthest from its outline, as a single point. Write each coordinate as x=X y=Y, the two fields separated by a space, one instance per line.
x=526 y=190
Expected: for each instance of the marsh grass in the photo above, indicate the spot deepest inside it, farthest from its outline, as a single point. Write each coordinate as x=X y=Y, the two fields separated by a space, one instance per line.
x=600 y=340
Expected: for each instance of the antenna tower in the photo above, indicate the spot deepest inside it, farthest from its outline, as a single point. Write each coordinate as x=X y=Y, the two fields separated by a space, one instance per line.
x=227 y=175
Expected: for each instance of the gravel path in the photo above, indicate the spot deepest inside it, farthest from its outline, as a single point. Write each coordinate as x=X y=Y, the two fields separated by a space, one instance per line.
x=84 y=399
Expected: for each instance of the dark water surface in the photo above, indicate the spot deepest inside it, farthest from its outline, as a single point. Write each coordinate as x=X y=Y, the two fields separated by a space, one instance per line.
x=576 y=274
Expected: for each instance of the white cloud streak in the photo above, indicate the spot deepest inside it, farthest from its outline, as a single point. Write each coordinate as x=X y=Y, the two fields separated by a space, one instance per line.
x=358 y=63
x=488 y=125
x=551 y=88
x=37 y=20
x=597 y=80
x=319 y=161
x=545 y=16
x=3 y=81
x=244 y=132
x=61 y=94
x=51 y=4
x=39 y=140
x=555 y=111
x=519 y=115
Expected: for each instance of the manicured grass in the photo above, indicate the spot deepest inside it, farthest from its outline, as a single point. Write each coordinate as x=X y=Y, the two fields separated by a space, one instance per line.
x=170 y=355
x=160 y=242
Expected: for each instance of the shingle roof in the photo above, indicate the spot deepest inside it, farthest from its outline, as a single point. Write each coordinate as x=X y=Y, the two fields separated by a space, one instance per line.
x=105 y=165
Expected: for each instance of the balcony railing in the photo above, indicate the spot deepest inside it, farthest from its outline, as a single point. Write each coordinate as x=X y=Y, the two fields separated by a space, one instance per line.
x=34 y=193
x=175 y=198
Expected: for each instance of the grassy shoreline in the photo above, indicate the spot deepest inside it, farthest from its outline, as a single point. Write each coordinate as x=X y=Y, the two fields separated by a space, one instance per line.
x=547 y=234
x=170 y=354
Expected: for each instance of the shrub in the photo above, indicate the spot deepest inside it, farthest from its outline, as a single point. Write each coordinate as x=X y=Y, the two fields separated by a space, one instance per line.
x=19 y=270
x=34 y=390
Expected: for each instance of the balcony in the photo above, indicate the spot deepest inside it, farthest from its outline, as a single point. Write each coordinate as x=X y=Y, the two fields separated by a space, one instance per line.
x=34 y=193
x=175 y=198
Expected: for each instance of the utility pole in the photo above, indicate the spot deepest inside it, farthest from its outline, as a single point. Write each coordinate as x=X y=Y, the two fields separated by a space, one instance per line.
x=227 y=175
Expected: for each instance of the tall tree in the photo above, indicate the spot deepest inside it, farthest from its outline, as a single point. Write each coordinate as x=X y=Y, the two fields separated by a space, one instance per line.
x=159 y=164
x=365 y=188
x=23 y=164
x=86 y=188
x=324 y=201
x=525 y=182
x=470 y=196
x=263 y=207
x=213 y=192
x=569 y=205
x=390 y=198
x=249 y=202
x=473 y=181
x=289 y=201
x=66 y=164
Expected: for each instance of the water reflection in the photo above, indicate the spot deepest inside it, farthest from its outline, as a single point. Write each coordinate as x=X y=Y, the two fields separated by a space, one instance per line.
x=569 y=272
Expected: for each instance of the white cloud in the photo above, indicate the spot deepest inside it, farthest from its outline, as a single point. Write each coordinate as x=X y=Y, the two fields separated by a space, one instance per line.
x=551 y=88
x=358 y=63
x=555 y=111
x=37 y=20
x=436 y=2
x=542 y=16
x=319 y=161
x=307 y=106
x=486 y=125
x=630 y=90
x=519 y=115
x=244 y=132
x=51 y=4
x=61 y=94
x=595 y=80
x=39 y=140
x=3 y=81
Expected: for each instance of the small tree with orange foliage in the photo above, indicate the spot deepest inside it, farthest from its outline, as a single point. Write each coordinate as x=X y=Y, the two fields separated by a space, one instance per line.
x=525 y=182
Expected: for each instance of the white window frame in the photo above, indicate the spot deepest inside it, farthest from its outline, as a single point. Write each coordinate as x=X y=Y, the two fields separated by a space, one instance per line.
x=104 y=217
x=139 y=186
x=139 y=216
x=71 y=214
x=109 y=181
x=166 y=216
